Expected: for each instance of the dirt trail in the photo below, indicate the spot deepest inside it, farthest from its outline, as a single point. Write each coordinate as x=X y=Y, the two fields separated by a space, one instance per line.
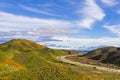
x=63 y=59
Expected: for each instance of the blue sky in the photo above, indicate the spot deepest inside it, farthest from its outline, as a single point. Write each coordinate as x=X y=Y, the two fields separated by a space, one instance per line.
x=67 y=22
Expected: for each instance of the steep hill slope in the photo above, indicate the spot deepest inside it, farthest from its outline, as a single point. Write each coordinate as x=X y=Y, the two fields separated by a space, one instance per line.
x=106 y=55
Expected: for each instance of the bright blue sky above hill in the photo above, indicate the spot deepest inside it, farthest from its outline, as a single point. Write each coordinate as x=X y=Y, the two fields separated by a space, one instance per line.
x=86 y=22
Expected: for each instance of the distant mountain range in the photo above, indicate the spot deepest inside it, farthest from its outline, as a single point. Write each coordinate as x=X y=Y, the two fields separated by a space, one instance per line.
x=80 y=48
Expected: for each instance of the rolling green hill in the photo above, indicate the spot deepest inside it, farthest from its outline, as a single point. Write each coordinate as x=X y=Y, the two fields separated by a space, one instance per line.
x=22 y=59
x=27 y=52
x=106 y=55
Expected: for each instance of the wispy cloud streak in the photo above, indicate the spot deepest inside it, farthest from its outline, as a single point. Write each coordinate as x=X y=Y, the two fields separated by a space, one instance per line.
x=36 y=25
x=36 y=10
x=91 y=13
x=110 y=2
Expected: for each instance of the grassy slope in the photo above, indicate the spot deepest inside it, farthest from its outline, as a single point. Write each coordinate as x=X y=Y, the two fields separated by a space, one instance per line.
x=25 y=60
x=106 y=55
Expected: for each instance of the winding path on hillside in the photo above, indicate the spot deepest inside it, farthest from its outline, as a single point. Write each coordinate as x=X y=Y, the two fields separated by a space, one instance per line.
x=63 y=59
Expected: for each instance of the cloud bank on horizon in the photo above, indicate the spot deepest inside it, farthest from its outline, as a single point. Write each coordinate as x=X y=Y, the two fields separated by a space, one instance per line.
x=78 y=22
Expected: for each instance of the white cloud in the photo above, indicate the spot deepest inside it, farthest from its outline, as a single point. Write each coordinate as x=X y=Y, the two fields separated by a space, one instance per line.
x=113 y=28
x=91 y=13
x=110 y=2
x=19 y=23
x=51 y=30
x=107 y=41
